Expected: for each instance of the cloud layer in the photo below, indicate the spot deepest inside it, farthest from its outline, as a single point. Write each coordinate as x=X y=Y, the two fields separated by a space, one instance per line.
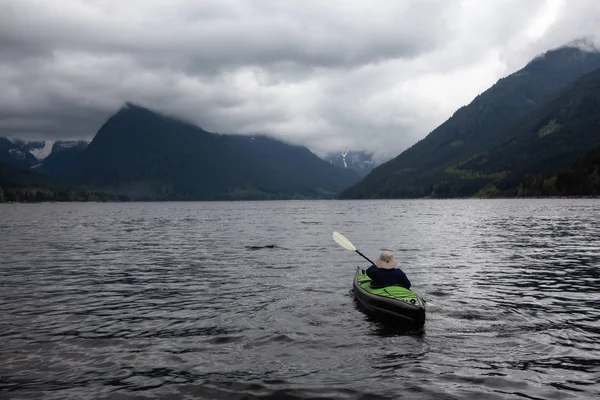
x=330 y=75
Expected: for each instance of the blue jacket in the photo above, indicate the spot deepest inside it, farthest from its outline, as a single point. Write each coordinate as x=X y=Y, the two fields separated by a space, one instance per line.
x=387 y=277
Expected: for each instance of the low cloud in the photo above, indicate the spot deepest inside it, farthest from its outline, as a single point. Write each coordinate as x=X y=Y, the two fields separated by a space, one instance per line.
x=328 y=75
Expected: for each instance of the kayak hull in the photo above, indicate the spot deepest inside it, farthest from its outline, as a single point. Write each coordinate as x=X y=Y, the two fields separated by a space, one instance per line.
x=393 y=305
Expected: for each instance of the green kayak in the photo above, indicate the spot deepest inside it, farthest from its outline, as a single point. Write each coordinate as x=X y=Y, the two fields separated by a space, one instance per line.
x=395 y=304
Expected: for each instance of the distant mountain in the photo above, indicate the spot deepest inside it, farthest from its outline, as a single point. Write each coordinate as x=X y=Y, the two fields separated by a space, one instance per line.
x=19 y=153
x=359 y=161
x=428 y=168
x=30 y=154
x=148 y=156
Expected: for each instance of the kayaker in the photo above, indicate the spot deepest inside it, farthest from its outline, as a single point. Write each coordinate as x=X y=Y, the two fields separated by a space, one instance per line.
x=384 y=272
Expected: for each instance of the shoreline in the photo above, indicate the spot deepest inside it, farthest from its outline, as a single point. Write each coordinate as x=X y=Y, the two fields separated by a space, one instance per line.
x=329 y=199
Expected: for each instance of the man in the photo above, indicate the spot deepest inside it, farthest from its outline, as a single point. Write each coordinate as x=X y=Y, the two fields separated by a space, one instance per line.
x=384 y=272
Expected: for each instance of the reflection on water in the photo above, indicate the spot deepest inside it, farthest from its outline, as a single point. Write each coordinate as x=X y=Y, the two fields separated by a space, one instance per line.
x=252 y=300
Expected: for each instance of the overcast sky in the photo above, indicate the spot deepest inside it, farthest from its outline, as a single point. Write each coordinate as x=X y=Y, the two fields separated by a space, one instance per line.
x=373 y=75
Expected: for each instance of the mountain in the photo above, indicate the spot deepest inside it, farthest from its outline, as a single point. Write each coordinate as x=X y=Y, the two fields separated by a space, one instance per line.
x=32 y=154
x=24 y=185
x=580 y=179
x=149 y=156
x=550 y=138
x=15 y=177
x=277 y=167
x=19 y=153
x=359 y=161
x=428 y=167
x=62 y=156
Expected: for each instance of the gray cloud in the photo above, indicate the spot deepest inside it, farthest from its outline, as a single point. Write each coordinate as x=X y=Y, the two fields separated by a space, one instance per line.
x=330 y=75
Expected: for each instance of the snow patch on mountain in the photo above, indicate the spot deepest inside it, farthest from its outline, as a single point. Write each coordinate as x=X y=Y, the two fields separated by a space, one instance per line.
x=359 y=161
x=17 y=154
x=67 y=144
x=42 y=152
x=344 y=154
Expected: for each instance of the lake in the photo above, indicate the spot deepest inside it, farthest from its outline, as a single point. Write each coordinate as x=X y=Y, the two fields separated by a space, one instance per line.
x=232 y=300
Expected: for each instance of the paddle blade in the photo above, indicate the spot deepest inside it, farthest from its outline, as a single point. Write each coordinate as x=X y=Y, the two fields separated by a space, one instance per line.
x=342 y=241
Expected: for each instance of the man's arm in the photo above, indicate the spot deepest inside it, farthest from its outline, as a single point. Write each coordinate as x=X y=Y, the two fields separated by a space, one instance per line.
x=372 y=272
x=404 y=279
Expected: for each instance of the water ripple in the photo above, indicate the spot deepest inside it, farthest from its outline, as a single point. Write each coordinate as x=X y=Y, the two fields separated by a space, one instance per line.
x=252 y=300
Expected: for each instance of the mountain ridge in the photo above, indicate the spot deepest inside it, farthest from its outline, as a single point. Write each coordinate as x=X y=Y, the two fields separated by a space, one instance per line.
x=148 y=155
x=478 y=126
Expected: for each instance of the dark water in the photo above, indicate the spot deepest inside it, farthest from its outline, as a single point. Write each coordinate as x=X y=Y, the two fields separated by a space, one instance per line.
x=252 y=300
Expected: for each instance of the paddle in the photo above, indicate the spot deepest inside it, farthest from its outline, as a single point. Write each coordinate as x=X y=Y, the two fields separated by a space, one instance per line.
x=345 y=243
